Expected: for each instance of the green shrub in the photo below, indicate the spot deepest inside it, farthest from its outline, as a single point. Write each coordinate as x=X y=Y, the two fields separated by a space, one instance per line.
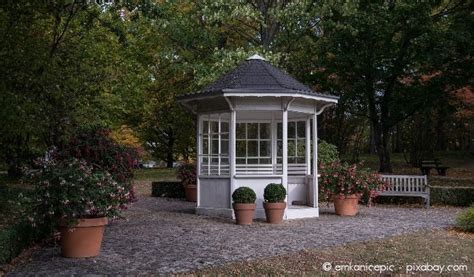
x=167 y=189
x=14 y=238
x=274 y=193
x=327 y=153
x=454 y=196
x=465 y=220
x=244 y=195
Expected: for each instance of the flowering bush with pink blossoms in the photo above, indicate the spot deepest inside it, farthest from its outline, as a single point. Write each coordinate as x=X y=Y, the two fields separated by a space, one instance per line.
x=341 y=180
x=66 y=190
x=187 y=174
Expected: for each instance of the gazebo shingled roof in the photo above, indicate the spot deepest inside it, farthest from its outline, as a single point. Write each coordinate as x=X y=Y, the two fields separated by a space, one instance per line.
x=255 y=75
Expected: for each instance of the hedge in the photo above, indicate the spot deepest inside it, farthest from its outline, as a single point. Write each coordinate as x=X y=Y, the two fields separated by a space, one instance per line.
x=167 y=189
x=454 y=196
x=15 y=238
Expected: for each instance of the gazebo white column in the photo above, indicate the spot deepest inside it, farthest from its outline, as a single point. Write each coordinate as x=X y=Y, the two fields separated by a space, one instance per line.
x=315 y=160
x=199 y=152
x=284 y=179
x=232 y=147
x=308 y=146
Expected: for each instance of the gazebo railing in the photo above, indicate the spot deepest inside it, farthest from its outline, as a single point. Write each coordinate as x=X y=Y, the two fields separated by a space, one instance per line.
x=269 y=169
x=214 y=165
x=254 y=169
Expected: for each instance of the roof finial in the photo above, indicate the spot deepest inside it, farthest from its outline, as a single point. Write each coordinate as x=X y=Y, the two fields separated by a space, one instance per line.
x=256 y=57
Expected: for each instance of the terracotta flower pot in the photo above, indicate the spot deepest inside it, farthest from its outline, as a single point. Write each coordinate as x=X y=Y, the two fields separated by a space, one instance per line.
x=244 y=213
x=190 y=192
x=346 y=205
x=274 y=212
x=84 y=239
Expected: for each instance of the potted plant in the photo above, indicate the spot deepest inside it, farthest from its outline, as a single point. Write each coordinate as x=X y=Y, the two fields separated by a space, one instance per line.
x=72 y=198
x=187 y=174
x=244 y=205
x=345 y=184
x=274 y=202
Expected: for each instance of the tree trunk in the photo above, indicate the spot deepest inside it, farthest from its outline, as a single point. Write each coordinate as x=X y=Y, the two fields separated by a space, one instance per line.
x=372 y=147
x=170 y=151
x=382 y=138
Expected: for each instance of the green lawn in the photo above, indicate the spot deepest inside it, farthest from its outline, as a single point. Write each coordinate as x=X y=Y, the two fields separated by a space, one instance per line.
x=155 y=174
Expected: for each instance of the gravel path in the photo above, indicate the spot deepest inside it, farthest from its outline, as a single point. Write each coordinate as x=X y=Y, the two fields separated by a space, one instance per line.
x=163 y=236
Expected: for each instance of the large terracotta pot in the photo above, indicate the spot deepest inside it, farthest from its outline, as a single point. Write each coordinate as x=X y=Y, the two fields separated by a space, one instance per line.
x=346 y=205
x=244 y=213
x=274 y=212
x=190 y=192
x=84 y=239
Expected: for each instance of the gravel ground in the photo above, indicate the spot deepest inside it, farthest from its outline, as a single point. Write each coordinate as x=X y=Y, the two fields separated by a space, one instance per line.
x=164 y=236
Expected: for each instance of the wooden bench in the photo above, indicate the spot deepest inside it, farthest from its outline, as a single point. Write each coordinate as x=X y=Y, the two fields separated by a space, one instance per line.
x=407 y=185
x=427 y=165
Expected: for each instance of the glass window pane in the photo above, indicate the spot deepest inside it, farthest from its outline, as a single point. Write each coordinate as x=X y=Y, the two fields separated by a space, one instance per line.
x=215 y=146
x=252 y=130
x=224 y=147
x=240 y=133
x=224 y=160
x=291 y=148
x=291 y=160
x=240 y=161
x=205 y=145
x=224 y=127
x=301 y=148
x=252 y=161
x=279 y=160
x=265 y=131
x=205 y=127
x=225 y=136
x=265 y=161
x=204 y=160
x=241 y=148
x=301 y=160
x=279 y=131
x=265 y=148
x=214 y=126
x=279 y=148
x=214 y=160
x=252 y=148
x=301 y=129
x=291 y=129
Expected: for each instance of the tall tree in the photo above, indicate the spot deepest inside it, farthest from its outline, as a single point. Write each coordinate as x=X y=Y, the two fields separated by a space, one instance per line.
x=378 y=55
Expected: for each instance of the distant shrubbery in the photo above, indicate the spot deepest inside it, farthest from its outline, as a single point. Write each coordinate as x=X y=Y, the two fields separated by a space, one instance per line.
x=327 y=153
x=465 y=220
x=454 y=196
x=167 y=189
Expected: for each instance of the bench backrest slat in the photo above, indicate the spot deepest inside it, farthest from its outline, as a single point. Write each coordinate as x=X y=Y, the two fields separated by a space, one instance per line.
x=406 y=183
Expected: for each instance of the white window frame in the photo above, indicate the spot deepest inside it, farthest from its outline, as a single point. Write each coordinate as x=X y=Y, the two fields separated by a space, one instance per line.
x=295 y=139
x=207 y=168
x=258 y=140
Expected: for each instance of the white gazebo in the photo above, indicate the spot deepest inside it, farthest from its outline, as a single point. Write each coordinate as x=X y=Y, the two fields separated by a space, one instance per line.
x=257 y=125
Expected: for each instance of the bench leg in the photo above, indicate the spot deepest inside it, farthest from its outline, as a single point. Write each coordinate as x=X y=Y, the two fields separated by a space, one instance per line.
x=427 y=202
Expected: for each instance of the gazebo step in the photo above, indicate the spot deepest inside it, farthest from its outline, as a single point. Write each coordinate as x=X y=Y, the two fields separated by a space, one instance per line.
x=295 y=212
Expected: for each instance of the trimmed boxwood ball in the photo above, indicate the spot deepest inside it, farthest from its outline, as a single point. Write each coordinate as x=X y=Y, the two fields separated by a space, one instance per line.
x=274 y=193
x=244 y=195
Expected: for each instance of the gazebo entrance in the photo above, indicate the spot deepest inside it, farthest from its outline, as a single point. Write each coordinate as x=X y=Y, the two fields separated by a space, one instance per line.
x=260 y=134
